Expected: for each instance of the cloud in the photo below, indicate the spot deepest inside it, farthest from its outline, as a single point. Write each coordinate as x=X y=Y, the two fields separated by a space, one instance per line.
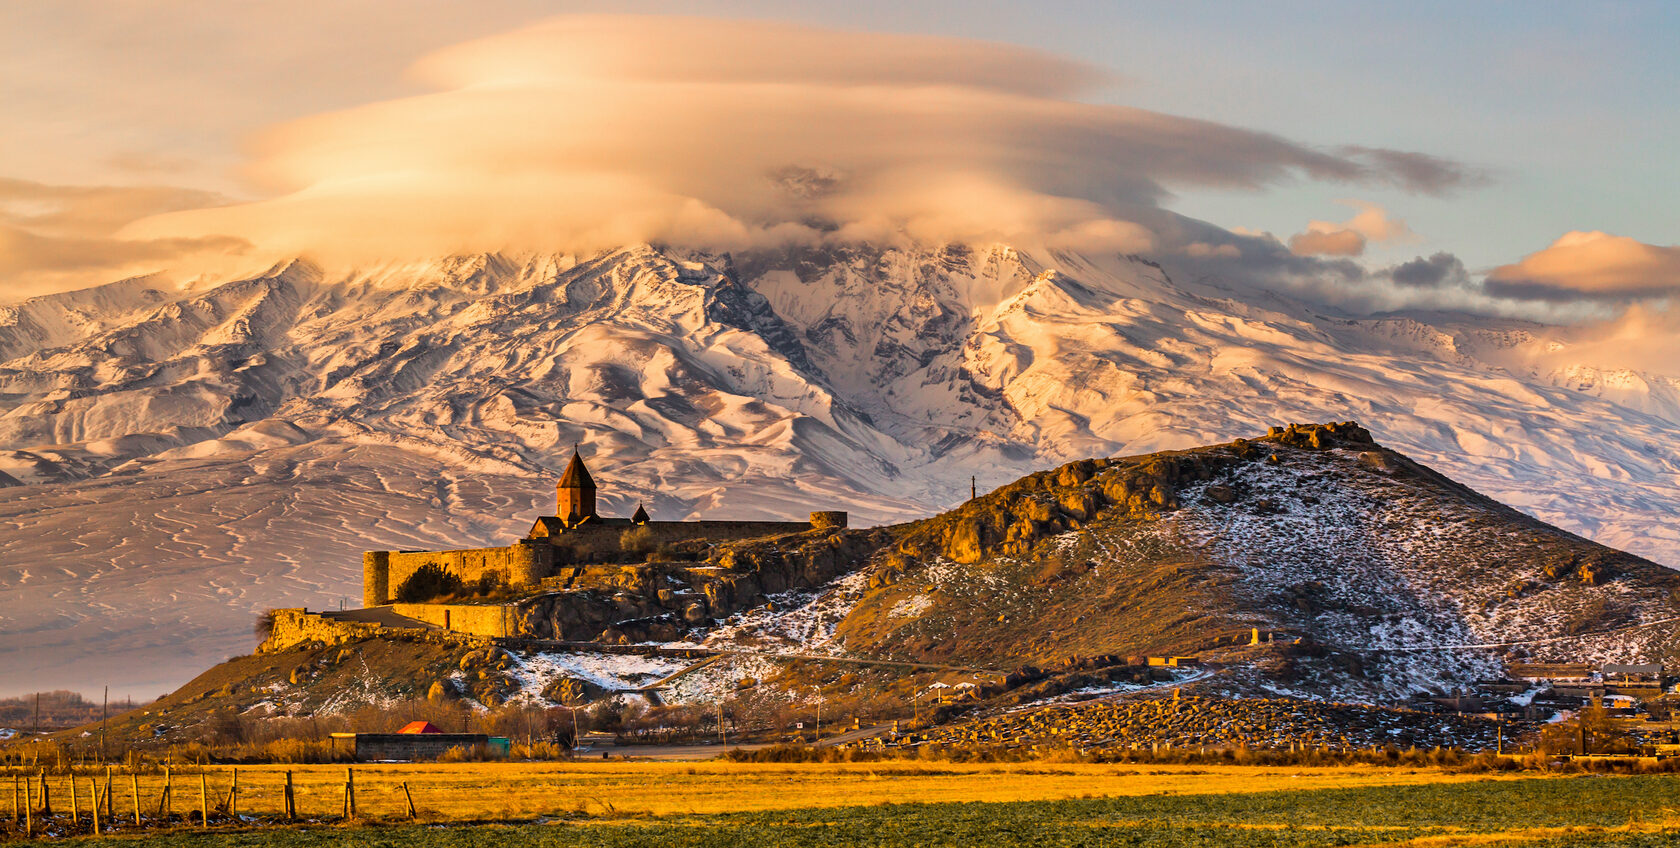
x=1348 y=238
x=1590 y=265
x=594 y=131
x=1419 y=171
x=54 y=236
x=1438 y=270
x=1327 y=243
x=1642 y=337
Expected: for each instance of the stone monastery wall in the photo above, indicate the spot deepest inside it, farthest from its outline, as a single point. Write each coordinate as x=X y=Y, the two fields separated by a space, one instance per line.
x=571 y=540
x=592 y=541
x=529 y=561
x=520 y=564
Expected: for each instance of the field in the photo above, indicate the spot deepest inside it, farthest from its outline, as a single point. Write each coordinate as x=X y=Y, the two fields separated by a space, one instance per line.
x=716 y=803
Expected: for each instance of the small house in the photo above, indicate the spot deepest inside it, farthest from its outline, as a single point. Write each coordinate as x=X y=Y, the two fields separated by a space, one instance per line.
x=418 y=740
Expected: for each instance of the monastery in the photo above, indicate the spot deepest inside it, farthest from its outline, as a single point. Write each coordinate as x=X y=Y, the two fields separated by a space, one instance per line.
x=560 y=546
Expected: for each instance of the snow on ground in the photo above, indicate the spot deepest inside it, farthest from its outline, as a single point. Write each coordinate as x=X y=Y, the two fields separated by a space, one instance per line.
x=794 y=622
x=612 y=672
x=1118 y=688
x=912 y=606
x=367 y=689
x=1364 y=552
x=716 y=681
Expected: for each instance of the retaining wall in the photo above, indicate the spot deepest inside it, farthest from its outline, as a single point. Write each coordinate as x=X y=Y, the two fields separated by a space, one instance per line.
x=299 y=626
x=493 y=620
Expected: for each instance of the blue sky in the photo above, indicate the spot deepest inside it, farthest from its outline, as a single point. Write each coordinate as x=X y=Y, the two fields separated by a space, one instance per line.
x=1573 y=108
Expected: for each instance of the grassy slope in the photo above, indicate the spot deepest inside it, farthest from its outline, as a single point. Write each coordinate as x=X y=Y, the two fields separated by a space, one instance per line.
x=373 y=671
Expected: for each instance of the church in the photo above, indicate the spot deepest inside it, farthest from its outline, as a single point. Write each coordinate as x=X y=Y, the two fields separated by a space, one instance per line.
x=562 y=545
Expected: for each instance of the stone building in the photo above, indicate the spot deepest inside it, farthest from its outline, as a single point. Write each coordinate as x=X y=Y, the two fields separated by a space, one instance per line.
x=563 y=544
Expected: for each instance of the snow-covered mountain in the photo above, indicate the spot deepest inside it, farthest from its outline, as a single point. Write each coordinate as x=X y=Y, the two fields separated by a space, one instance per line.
x=184 y=459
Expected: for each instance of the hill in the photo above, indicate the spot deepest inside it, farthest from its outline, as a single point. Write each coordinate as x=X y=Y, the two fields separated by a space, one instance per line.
x=1310 y=563
x=1365 y=562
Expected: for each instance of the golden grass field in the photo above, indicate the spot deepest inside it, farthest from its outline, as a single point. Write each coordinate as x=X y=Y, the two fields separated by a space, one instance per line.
x=710 y=804
x=524 y=791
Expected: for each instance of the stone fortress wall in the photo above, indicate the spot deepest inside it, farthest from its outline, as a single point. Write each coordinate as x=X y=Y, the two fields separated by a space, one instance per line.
x=570 y=545
x=527 y=562
x=522 y=563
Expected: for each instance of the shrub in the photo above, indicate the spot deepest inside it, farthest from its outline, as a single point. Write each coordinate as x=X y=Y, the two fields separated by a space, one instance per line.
x=637 y=541
x=467 y=754
x=427 y=582
x=264 y=625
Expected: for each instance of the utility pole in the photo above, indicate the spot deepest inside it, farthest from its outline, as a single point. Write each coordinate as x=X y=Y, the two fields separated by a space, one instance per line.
x=38 y=714
x=973 y=488
x=104 y=715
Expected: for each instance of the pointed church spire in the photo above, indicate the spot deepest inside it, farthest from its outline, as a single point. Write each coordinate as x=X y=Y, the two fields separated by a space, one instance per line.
x=577 y=474
x=641 y=516
x=575 y=493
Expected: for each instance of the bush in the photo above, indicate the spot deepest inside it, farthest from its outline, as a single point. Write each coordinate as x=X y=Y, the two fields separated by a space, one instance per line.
x=467 y=754
x=637 y=541
x=427 y=582
x=264 y=626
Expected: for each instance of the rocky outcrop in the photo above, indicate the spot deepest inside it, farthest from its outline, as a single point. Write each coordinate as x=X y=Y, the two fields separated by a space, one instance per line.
x=662 y=601
x=1012 y=519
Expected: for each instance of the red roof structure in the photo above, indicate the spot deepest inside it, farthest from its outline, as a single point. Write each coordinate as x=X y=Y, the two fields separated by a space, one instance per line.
x=420 y=727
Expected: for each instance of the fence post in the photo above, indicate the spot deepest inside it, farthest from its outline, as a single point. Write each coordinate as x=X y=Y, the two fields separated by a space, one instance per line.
x=233 y=795
x=75 y=814
x=46 y=796
x=93 y=784
x=29 y=808
x=291 y=799
x=134 y=786
x=203 y=801
x=110 y=807
x=410 y=799
x=164 y=805
x=349 y=794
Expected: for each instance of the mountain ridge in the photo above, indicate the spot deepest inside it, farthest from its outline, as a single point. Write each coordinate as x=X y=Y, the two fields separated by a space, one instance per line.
x=418 y=402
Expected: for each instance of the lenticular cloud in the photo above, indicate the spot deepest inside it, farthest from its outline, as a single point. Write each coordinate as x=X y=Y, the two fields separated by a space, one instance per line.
x=585 y=132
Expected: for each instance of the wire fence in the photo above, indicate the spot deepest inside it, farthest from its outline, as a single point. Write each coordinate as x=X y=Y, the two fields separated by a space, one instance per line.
x=111 y=801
